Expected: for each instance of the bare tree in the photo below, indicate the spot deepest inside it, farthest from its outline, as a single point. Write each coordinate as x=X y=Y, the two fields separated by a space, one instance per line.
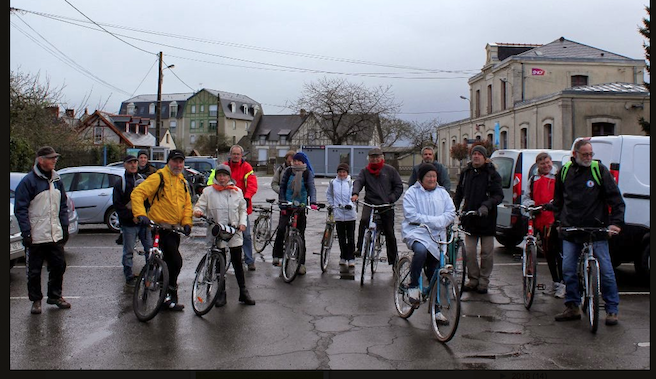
x=424 y=133
x=346 y=110
x=393 y=130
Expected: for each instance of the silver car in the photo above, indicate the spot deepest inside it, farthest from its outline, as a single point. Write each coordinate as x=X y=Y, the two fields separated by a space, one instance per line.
x=92 y=189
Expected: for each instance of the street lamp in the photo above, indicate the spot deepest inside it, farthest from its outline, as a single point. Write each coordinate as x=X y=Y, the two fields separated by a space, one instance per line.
x=158 y=106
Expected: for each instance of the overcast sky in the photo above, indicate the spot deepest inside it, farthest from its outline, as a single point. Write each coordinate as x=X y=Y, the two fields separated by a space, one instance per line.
x=267 y=50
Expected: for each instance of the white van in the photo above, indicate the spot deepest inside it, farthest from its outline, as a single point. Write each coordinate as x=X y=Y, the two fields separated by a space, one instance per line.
x=516 y=167
x=627 y=157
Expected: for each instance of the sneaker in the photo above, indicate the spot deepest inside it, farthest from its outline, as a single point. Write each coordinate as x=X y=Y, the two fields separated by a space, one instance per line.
x=351 y=263
x=560 y=291
x=481 y=290
x=572 y=312
x=302 y=270
x=36 y=307
x=251 y=266
x=342 y=262
x=276 y=262
x=441 y=319
x=611 y=319
x=413 y=295
x=60 y=303
x=469 y=287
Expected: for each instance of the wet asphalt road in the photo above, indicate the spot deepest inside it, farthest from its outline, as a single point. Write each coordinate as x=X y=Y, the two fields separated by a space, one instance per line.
x=317 y=322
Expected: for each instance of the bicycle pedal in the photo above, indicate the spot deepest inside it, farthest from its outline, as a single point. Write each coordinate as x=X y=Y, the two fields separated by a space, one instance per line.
x=541 y=286
x=315 y=253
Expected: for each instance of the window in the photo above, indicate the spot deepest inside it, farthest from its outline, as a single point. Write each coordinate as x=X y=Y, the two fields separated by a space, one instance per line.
x=192 y=138
x=489 y=99
x=579 y=80
x=131 y=109
x=523 y=138
x=233 y=107
x=201 y=126
x=213 y=110
x=504 y=95
x=234 y=125
x=173 y=109
x=151 y=108
x=478 y=104
x=283 y=140
x=87 y=181
x=167 y=138
x=504 y=167
x=172 y=125
x=245 y=108
x=262 y=139
x=548 y=144
x=192 y=124
x=234 y=140
x=603 y=129
x=490 y=138
x=98 y=135
x=212 y=124
x=193 y=109
x=202 y=108
x=503 y=140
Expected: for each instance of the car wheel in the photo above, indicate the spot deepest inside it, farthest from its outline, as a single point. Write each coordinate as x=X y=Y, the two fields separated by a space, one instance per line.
x=111 y=219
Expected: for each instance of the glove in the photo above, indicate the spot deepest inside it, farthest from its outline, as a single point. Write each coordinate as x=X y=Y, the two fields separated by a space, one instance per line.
x=27 y=241
x=548 y=207
x=65 y=235
x=248 y=202
x=314 y=207
x=144 y=220
x=482 y=211
x=348 y=207
x=187 y=230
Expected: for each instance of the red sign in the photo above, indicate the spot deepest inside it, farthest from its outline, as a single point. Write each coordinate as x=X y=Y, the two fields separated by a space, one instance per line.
x=537 y=71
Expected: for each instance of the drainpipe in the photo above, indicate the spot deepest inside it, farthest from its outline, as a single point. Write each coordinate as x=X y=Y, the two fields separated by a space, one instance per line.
x=522 y=81
x=573 y=119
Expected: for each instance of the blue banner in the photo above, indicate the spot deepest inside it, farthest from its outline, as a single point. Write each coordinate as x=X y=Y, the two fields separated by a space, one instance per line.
x=496 y=133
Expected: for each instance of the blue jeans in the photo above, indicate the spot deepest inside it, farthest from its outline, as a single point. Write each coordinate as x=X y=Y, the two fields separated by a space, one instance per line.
x=571 y=252
x=130 y=234
x=421 y=257
x=248 y=243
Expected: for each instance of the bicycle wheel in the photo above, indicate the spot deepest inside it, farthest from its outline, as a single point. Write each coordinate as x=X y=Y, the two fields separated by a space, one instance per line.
x=593 y=296
x=378 y=248
x=529 y=273
x=445 y=307
x=457 y=258
x=326 y=244
x=291 y=261
x=260 y=233
x=366 y=254
x=401 y=284
x=150 y=289
x=210 y=275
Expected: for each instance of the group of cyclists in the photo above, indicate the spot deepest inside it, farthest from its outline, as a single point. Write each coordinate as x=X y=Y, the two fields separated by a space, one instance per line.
x=581 y=193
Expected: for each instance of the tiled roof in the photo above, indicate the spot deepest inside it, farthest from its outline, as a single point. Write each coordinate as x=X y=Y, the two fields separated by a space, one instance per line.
x=608 y=88
x=272 y=125
x=564 y=48
x=165 y=97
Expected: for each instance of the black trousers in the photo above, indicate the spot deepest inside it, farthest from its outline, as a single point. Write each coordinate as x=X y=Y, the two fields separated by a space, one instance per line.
x=346 y=237
x=169 y=243
x=53 y=254
x=386 y=225
x=235 y=258
x=278 y=244
x=552 y=246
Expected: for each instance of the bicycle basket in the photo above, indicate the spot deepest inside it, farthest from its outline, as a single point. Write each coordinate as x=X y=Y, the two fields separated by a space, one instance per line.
x=223 y=232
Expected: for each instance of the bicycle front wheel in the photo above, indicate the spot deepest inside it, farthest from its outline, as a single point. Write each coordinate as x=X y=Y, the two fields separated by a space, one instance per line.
x=210 y=278
x=366 y=254
x=593 y=296
x=445 y=307
x=260 y=233
x=150 y=289
x=326 y=244
x=401 y=284
x=529 y=273
x=457 y=258
x=378 y=248
x=291 y=261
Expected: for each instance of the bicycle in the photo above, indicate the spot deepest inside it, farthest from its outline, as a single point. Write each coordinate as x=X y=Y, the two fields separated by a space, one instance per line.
x=152 y=284
x=210 y=272
x=373 y=241
x=329 y=236
x=294 y=247
x=456 y=251
x=588 y=275
x=529 y=255
x=263 y=232
x=443 y=293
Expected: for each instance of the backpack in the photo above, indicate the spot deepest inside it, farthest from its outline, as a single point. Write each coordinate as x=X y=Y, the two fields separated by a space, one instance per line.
x=160 y=188
x=594 y=167
x=140 y=179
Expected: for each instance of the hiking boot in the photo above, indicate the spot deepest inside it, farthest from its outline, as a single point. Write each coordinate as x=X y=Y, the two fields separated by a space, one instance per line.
x=561 y=289
x=342 y=262
x=611 y=319
x=302 y=270
x=276 y=262
x=221 y=300
x=60 y=303
x=251 y=266
x=130 y=283
x=572 y=312
x=481 y=290
x=351 y=263
x=36 y=307
x=245 y=297
x=439 y=317
x=414 y=297
x=469 y=287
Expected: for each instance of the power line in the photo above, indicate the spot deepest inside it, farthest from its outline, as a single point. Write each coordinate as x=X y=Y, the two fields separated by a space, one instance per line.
x=181 y=81
x=144 y=78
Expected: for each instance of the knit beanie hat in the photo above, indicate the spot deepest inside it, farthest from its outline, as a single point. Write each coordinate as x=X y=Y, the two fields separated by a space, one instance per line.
x=480 y=149
x=300 y=156
x=424 y=169
x=343 y=166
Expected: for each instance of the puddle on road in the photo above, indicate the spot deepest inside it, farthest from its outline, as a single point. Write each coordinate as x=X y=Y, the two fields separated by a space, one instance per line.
x=486 y=318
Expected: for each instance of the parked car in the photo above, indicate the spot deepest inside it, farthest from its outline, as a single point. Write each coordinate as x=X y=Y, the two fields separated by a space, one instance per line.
x=203 y=164
x=627 y=158
x=515 y=168
x=16 y=249
x=92 y=188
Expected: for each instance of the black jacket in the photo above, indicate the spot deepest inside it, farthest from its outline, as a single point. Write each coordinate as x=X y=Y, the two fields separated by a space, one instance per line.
x=442 y=176
x=121 y=198
x=385 y=188
x=146 y=170
x=479 y=186
x=580 y=201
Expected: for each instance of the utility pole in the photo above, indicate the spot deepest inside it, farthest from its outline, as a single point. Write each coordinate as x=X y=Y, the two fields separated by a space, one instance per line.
x=158 y=106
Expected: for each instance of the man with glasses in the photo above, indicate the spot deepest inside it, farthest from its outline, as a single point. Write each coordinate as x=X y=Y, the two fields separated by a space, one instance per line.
x=586 y=194
x=42 y=214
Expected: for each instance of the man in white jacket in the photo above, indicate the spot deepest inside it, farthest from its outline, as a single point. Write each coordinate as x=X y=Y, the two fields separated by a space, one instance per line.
x=338 y=195
x=224 y=202
x=425 y=203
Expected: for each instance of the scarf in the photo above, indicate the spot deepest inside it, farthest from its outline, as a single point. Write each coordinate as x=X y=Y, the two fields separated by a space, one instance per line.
x=222 y=188
x=375 y=168
x=297 y=183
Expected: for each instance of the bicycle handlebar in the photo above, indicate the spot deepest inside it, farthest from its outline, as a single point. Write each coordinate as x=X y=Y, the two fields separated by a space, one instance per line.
x=431 y=234
x=225 y=231
x=528 y=208
x=388 y=205
x=589 y=229
x=285 y=204
x=168 y=227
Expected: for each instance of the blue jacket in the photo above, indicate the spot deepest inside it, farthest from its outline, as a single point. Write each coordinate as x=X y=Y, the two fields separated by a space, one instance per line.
x=307 y=189
x=40 y=207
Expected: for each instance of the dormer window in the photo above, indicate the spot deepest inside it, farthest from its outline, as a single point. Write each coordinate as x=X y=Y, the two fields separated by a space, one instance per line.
x=255 y=110
x=173 y=109
x=245 y=108
x=151 y=108
x=130 y=109
x=233 y=107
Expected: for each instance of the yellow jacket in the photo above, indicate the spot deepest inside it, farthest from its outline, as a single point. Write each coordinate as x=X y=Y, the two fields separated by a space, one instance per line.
x=174 y=203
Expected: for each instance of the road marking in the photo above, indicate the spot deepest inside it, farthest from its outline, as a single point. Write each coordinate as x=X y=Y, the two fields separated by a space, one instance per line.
x=643 y=344
x=67 y=267
x=27 y=298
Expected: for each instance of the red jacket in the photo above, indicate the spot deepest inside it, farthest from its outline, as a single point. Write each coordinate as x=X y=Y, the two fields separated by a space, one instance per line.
x=244 y=178
x=541 y=191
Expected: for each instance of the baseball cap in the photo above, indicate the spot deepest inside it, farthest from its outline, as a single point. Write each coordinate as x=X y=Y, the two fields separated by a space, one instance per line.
x=47 y=152
x=175 y=154
x=376 y=151
x=129 y=158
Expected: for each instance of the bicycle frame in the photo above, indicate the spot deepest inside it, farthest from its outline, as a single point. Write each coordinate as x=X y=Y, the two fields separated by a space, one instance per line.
x=369 y=251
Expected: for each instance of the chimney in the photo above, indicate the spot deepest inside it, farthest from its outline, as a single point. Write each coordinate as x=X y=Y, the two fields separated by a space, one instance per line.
x=70 y=112
x=303 y=112
x=54 y=111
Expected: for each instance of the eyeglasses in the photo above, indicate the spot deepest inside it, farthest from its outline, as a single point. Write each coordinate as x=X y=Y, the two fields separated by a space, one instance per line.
x=586 y=155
